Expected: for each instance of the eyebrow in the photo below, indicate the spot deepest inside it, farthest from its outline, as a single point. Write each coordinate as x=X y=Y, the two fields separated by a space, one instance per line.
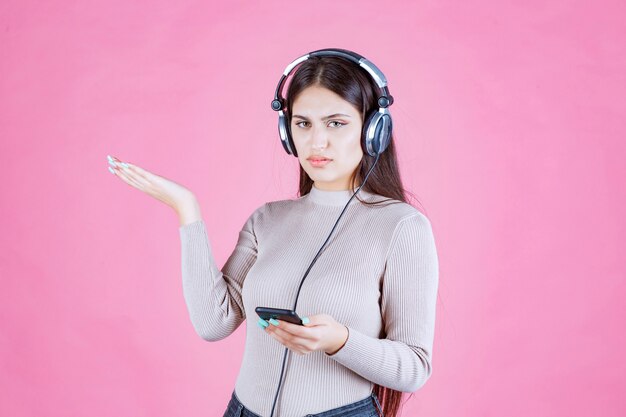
x=323 y=118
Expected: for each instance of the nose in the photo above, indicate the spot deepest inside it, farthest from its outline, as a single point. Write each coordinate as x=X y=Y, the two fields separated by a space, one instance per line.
x=319 y=138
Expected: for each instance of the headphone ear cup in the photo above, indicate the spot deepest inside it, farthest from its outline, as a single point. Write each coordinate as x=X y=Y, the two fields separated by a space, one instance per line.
x=294 y=151
x=285 y=135
x=377 y=133
x=383 y=132
x=369 y=142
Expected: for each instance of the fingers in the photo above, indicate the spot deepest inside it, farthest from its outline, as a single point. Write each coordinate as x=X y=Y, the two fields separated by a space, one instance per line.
x=294 y=329
x=128 y=173
x=148 y=176
x=141 y=174
x=294 y=343
x=290 y=334
x=132 y=175
x=127 y=179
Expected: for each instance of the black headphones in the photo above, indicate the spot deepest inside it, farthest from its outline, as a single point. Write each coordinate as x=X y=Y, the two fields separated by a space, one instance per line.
x=377 y=127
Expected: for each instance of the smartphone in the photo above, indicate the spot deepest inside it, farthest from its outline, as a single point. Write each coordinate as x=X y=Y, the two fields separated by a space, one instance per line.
x=267 y=313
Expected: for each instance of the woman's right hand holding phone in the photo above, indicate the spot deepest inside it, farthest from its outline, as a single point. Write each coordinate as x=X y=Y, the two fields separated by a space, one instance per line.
x=181 y=199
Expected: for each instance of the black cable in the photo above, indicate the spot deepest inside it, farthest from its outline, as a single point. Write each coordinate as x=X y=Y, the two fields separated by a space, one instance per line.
x=309 y=268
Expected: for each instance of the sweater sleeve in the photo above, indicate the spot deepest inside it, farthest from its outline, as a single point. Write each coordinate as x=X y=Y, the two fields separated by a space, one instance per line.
x=213 y=296
x=403 y=360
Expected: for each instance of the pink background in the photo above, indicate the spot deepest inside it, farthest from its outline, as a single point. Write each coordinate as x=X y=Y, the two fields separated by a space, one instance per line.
x=509 y=120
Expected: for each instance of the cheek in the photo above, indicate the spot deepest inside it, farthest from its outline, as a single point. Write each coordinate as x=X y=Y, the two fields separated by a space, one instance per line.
x=353 y=147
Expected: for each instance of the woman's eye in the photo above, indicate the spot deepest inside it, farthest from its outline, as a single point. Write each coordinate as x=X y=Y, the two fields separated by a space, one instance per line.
x=338 y=124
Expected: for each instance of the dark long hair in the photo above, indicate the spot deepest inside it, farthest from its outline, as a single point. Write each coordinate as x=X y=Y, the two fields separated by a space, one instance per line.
x=356 y=86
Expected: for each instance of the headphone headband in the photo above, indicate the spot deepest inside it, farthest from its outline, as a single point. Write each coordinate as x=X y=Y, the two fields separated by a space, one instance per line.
x=385 y=100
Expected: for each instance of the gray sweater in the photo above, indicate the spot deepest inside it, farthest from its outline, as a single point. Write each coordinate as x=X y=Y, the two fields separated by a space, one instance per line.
x=378 y=275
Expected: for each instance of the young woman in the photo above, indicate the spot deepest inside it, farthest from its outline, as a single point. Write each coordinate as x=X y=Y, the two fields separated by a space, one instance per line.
x=368 y=302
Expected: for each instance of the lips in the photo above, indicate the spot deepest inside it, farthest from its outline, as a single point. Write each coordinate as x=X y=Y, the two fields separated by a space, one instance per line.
x=318 y=162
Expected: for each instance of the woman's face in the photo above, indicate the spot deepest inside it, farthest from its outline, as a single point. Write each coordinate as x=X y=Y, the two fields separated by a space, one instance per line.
x=324 y=125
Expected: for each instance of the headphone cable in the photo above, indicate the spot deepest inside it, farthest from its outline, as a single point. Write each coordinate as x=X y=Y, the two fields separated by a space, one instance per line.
x=309 y=268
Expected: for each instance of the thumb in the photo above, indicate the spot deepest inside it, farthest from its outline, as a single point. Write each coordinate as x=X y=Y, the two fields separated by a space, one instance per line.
x=310 y=321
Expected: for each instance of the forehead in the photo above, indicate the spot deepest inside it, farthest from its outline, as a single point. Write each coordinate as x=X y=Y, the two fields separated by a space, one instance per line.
x=316 y=100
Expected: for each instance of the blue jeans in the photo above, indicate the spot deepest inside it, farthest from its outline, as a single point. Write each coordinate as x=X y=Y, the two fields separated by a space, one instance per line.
x=367 y=407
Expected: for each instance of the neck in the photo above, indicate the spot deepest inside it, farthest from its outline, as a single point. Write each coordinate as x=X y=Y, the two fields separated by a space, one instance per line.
x=334 y=197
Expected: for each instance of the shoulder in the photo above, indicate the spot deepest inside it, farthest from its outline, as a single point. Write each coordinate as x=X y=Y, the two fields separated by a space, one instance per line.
x=397 y=213
x=272 y=210
x=413 y=234
x=401 y=220
x=278 y=207
x=412 y=217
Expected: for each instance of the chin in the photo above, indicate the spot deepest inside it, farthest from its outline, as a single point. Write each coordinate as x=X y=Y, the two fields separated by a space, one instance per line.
x=322 y=176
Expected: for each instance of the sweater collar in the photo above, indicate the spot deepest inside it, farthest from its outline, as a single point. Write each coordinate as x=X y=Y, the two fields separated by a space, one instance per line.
x=335 y=198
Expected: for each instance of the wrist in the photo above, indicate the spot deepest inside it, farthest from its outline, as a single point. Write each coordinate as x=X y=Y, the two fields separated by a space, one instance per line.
x=345 y=334
x=188 y=211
